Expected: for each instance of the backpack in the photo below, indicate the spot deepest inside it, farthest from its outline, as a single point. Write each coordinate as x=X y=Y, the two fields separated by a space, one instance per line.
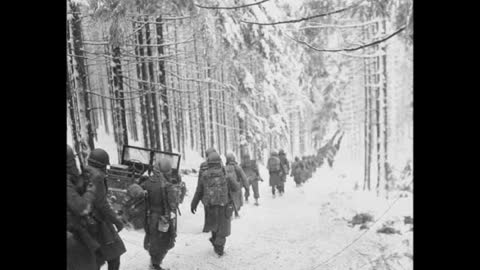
x=249 y=168
x=284 y=164
x=274 y=164
x=231 y=173
x=175 y=194
x=215 y=189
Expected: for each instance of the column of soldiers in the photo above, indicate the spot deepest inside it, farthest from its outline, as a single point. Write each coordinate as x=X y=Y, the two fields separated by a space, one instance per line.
x=303 y=169
x=93 y=226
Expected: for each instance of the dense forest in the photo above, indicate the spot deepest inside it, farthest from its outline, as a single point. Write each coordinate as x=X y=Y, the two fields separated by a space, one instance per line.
x=245 y=76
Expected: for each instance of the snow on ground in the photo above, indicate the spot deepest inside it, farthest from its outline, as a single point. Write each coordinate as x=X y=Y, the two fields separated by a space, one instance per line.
x=300 y=230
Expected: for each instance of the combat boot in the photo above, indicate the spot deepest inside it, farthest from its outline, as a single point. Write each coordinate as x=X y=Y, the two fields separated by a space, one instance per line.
x=157 y=267
x=219 y=250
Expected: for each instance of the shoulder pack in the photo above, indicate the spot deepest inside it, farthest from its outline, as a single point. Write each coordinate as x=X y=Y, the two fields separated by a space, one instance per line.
x=231 y=172
x=274 y=164
x=215 y=189
x=175 y=194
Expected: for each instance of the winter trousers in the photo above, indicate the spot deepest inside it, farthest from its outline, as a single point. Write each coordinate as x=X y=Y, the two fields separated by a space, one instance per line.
x=79 y=257
x=159 y=243
x=205 y=219
x=156 y=259
x=279 y=187
x=254 y=185
x=112 y=264
x=157 y=254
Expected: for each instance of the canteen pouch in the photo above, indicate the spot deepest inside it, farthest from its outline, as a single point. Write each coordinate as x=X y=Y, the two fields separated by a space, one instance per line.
x=229 y=210
x=163 y=224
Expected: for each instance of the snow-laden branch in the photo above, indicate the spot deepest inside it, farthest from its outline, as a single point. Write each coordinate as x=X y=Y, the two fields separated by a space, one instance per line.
x=352 y=48
x=232 y=7
x=307 y=18
x=362 y=55
x=318 y=26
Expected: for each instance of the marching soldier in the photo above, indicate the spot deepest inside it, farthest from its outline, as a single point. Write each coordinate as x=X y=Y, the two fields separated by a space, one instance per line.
x=253 y=176
x=285 y=167
x=163 y=193
x=81 y=245
x=275 y=169
x=234 y=171
x=108 y=224
x=204 y=167
x=214 y=190
x=297 y=168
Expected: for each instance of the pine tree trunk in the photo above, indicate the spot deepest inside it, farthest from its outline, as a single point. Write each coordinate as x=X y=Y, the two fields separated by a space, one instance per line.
x=200 y=100
x=368 y=113
x=81 y=81
x=73 y=121
x=132 y=110
x=155 y=142
x=236 y=131
x=210 y=104
x=190 y=107
x=378 y=100
x=366 y=125
x=71 y=99
x=141 y=85
x=92 y=105
x=224 y=114
x=221 y=148
x=104 y=106
x=181 y=111
x=119 y=100
x=113 y=101
x=148 y=88
x=166 y=132
x=385 y=113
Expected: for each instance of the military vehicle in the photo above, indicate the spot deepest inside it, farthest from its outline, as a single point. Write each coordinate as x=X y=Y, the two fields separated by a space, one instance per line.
x=135 y=166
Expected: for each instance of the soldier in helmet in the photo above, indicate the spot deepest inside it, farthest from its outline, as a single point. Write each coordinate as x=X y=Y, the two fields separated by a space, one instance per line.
x=285 y=167
x=253 y=176
x=234 y=171
x=81 y=244
x=214 y=190
x=108 y=223
x=276 y=172
x=297 y=168
x=163 y=192
x=204 y=167
x=304 y=174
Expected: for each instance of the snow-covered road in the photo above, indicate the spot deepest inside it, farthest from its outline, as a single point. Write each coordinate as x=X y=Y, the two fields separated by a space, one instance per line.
x=300 y=230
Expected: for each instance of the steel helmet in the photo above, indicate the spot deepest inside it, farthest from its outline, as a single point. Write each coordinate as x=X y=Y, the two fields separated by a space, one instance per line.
x=209 y=151
x=163 y=165
x=98 y=158
x=230 y=157
x=214 y=158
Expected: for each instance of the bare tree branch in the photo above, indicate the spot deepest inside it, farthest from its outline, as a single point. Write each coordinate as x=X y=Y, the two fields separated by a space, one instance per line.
x=353 y=48
x=307 y=18
x=232 y=7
